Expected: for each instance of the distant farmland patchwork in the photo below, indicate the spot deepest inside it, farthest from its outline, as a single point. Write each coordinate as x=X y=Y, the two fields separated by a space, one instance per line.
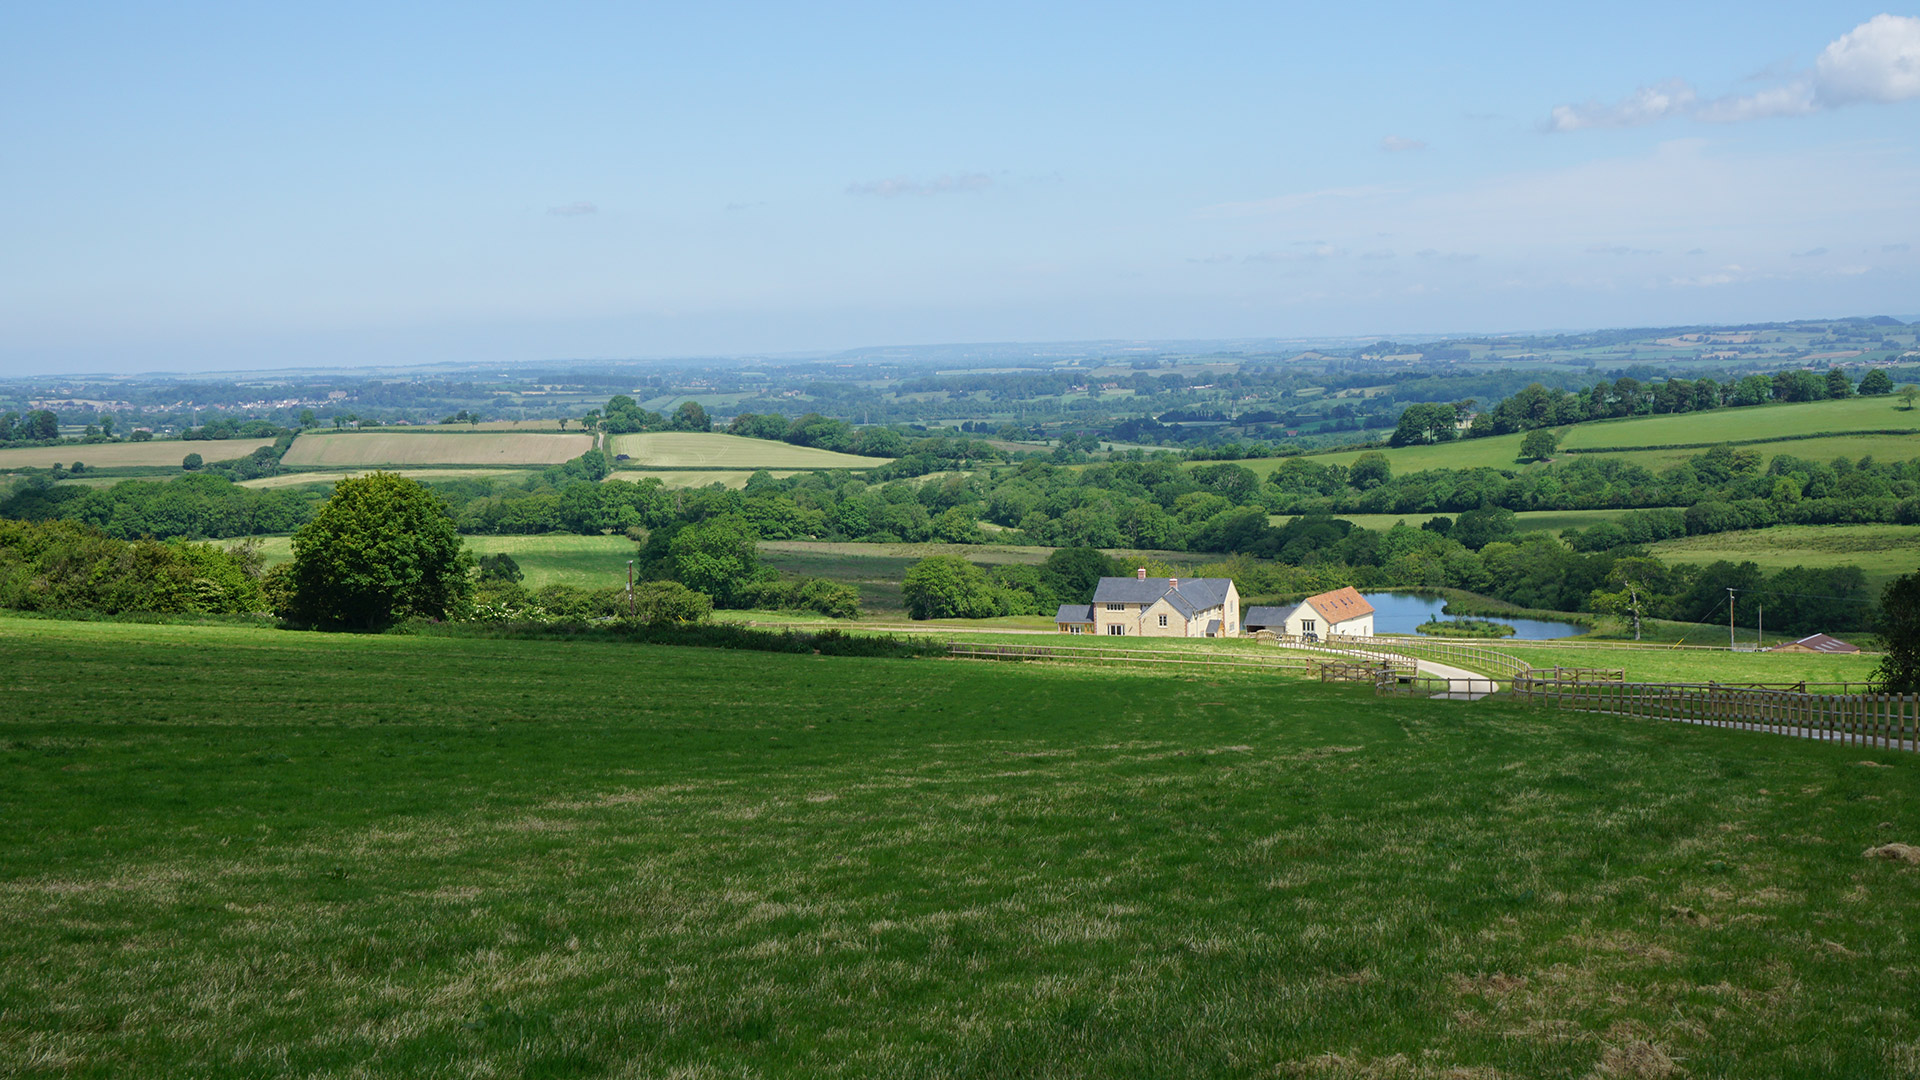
x=129 y=454
x=294 y=479
x=711 y=450
x=1882 y=551
x=433 y=448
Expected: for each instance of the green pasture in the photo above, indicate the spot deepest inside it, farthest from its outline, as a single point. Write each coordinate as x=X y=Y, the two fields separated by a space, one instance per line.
x=1753 y=422
x=238 y=852
x=1552 y=521
x=1883 y=552
x=589 y=562
x=1770 y=422
x=1669 y=664
x=694 y=478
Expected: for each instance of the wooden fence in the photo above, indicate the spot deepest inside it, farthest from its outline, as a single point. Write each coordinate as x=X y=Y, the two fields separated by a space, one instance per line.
x=1469 y=657
x=1880 y=720
x=973 y=650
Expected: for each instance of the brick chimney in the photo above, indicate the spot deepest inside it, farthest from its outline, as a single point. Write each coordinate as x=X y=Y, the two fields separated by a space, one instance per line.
x=1173 y=583
x=1141 y=573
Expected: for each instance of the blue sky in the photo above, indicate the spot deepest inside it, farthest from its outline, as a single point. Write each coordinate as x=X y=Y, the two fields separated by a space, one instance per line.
x=250 y=186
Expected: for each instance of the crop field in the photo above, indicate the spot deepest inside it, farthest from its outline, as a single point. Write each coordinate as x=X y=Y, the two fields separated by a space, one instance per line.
x=711 y=450
x=129 y=454
x=245 y=852
x=433 y=448
x=296 y=479
x=1884 y=552
x=687 y=478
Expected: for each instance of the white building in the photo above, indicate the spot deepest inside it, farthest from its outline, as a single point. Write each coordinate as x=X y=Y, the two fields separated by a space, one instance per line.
x=1342 y=611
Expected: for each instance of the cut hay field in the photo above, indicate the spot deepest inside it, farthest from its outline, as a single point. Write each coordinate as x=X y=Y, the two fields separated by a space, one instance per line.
x=296 y=479
x=683 y=478
x=712 y=450
x=352 y=449
x=1884 y=552
x=246 y=852
x=129 y=454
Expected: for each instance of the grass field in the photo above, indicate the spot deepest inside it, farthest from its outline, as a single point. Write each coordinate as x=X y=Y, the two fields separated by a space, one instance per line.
x=1884 y=552
x=711 y=450
x=1656 y=664
x=296 y=479
x=590 y=562
x=733 y=478
x=247 y=852
x=426 y=447
x=1552 y=521
x=1760 y=422
x=129 y=454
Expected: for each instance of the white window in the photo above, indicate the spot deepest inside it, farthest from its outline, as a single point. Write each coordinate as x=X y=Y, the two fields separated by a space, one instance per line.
x=1306 y=626
x=1073 y=628
x=1115 y=629
x=1116 y=607
x=1163 y=620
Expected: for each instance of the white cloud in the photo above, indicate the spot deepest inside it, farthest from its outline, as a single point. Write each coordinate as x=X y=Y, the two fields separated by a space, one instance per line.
x=573 y=209
x=1395 y=144
x=1877 y=61
x=939 y=185
x=1643 y=106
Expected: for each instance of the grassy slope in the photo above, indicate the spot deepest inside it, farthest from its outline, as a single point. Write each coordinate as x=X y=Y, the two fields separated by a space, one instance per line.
x=555 y=559
x=1552 y=521
x=724 y=864
x=1644 y=664
x=1760 y=422
x=712 y=450
x=1883 y=551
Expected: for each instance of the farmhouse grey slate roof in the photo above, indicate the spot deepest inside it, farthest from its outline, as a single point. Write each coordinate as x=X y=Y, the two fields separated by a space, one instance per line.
x=1193 y=596
x=1074 y=613
x=1266 y=616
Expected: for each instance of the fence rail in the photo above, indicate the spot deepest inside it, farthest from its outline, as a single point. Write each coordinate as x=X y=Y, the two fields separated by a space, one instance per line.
x=1470 y=657
x=973 y=650
x=1880 y=720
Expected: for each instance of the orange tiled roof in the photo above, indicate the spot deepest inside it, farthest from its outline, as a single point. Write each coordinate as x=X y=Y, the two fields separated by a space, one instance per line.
x=1340 y=605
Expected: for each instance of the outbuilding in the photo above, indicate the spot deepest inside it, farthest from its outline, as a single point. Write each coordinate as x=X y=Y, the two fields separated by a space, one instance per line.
x=1820 y=643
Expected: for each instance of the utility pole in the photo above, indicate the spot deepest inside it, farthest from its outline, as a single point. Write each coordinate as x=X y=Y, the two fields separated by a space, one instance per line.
x=629 y=588
x=1729 y=620
x=1763 y=624
x=1634 y=592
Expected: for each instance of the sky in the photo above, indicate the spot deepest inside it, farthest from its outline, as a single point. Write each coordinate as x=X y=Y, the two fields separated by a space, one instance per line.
x=207 y=187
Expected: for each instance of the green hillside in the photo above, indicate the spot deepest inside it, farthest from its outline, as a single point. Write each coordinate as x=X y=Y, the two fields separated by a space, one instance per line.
x=248 y=852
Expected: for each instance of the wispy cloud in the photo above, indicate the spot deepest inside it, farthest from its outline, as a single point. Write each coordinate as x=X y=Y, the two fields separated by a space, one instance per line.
x=1618 y=249
x=1810 y=253
x=1895 y=249
x=573 y=209
x=1446 y=256
x=1396 y=144
x=1299 y=200
x=1877 y=61
x=940 y=185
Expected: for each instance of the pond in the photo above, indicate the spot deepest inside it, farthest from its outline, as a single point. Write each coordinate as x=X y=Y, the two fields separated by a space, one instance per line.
x=1399 y=613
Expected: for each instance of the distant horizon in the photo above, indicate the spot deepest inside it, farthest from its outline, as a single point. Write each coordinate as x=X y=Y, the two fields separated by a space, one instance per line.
x=1196 y=345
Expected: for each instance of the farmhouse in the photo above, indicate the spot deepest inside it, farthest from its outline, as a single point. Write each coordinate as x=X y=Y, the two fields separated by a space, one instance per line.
x=1342 y=611
x=1817 y=643
x=1156 y=607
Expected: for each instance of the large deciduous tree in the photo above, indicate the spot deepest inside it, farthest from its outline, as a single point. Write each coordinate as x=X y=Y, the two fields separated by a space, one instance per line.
x=719 y=557
x=382 y=549
x=948 y=587
x=1899 y=626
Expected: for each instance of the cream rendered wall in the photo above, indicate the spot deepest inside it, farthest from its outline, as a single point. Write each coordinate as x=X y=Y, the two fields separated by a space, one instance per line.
x=1177 y=625
x=1360 y=627
x=1128 y=618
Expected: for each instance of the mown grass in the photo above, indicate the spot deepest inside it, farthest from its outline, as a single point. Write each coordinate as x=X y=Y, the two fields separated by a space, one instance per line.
x=1760 y=422
x=1883 y=552
x=1657 y=664
x=433 y=447
x=166 y=452
x=240 y=853
x=588 y=562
